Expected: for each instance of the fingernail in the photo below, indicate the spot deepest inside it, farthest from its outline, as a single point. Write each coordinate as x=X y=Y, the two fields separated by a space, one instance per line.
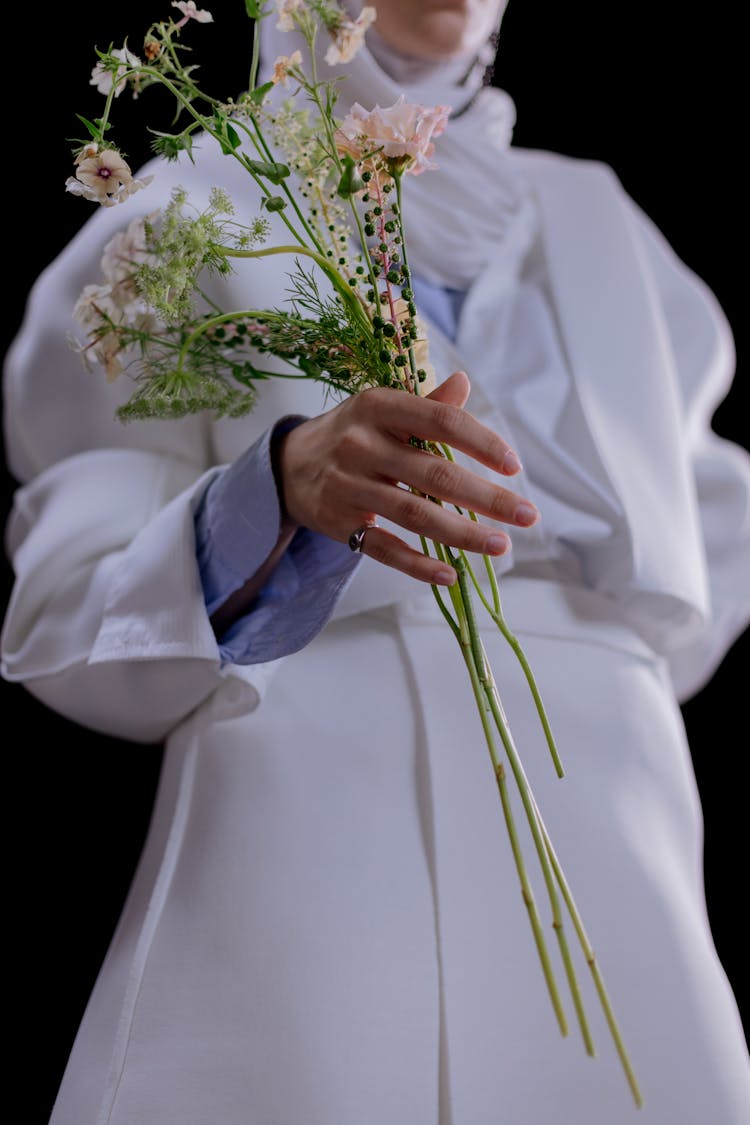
x=445 y=577
x=498 y=544
x=526 y=514
x=511 y=463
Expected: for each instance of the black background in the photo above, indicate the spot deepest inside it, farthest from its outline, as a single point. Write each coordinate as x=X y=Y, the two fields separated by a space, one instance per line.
x=647 y=88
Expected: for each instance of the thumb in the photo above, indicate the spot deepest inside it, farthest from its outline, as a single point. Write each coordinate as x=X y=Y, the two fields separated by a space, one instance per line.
x=454 y=390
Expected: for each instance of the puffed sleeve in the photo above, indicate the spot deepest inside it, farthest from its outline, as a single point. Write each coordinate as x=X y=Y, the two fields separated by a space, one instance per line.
x=101 y=533
x=703 y=346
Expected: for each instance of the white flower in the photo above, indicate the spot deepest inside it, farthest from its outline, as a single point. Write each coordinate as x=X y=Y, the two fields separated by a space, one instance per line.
x=104 y=77
x=103 y=177
x=123 y=192
x=282 y=66
x=190 y=12
x=102 y=172
x=348 y=37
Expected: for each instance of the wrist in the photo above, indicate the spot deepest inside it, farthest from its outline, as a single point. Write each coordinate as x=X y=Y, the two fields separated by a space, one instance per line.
x=279 y=437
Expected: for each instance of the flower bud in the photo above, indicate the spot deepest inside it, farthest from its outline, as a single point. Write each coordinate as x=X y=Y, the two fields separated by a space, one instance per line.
x=351 y=182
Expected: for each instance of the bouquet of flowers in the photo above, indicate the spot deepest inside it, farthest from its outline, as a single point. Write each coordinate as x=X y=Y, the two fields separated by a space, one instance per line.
x=338 y=187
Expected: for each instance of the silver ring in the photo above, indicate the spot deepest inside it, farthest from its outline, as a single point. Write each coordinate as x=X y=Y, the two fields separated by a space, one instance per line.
x=357 y=538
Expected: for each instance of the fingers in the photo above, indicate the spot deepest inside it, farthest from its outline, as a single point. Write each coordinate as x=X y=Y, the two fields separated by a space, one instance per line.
x=453 y=390
x=429 y=520
x=385 y=548
x=424 y=517
x=433 y=475
x=357 y=463
x=440 y=420
x=394 y=460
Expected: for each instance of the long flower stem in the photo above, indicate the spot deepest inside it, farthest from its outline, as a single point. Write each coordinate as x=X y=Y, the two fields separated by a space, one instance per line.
x=498 y=617
x=532 y=814
x=493 y=719
x=344 y=291
x=495 y=611
x=595 y=970
x=477 y=668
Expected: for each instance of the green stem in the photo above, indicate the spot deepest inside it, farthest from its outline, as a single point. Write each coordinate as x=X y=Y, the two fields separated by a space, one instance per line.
x=229 y=317
x=495 y=706
x=345 y=291
x=255 y=56
x=205 y=124
x=496 y=613
x=407 y=275
x=499 y=619
x=594 y=967
x=489 y=704
x=363 y=242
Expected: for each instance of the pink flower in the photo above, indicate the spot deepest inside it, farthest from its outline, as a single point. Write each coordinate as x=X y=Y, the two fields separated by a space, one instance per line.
x=189 y=11
x=402 y=135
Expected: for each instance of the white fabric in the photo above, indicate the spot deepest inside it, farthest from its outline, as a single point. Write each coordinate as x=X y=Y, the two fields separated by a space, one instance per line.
x=364 y=953
x=325 y=926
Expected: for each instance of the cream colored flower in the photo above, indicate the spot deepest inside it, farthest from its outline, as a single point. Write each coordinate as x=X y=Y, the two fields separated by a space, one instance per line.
x=190 y=12
x=103 y=177
x=125 y=252
x=87 y=152
x=285 y=10
x=105 y=78
x=283 y=65
x=94 y=304
x=109 y=325
x=103 y=172
x=402 y=133
x=107 y=351
x=348 y=37
x=95 y=312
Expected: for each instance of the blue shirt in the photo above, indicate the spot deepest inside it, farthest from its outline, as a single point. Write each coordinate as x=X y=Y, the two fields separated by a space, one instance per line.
x=237 y=525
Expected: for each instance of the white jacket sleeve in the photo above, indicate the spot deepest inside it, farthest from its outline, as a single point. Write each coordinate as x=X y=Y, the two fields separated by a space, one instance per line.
x=703 y=346
x=101 y=535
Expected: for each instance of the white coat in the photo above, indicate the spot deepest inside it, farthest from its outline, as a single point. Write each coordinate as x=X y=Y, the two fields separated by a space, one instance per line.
x=325 y=926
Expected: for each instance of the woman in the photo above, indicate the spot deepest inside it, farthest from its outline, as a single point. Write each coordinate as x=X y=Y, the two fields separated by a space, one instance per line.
x=325 y=923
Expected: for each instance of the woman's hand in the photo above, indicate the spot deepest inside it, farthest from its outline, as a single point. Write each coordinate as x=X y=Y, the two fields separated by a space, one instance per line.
x=354 y=463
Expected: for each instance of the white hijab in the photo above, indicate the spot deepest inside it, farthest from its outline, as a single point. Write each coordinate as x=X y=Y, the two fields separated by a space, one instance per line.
x=475 y=203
